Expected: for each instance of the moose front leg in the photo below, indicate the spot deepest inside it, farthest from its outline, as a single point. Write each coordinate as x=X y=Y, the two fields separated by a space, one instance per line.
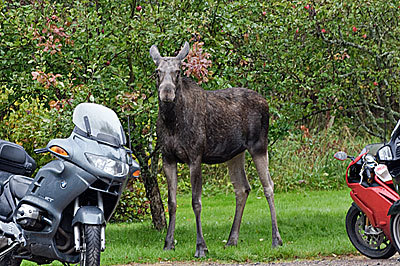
x=170 y=171
x=196 y=181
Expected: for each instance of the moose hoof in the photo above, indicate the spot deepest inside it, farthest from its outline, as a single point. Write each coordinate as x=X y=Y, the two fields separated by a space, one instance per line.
x=201 y=251
x=169 y=246
x=277 y=242
x=231 y=243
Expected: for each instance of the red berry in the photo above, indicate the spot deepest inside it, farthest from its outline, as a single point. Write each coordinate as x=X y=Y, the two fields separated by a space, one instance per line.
x=102 y=31
x=138 y=8
x=323 y=30
x=108 y=63
x=297 y=30
x=354 y=29
x=264 y=13
x=307 y=7
x=364 y=36
x=375 y=83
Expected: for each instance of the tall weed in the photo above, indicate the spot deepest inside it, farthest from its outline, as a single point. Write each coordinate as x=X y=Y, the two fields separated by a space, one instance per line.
x=305 y=160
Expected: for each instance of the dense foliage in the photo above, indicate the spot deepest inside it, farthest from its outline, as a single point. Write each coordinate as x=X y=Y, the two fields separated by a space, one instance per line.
x=320 y=64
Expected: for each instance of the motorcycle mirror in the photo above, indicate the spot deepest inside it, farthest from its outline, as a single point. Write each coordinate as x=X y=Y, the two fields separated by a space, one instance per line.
x=340 y=155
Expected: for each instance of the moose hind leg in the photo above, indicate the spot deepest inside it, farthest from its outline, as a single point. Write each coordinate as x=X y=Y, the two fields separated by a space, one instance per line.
x=261 y=162
x=242 y=189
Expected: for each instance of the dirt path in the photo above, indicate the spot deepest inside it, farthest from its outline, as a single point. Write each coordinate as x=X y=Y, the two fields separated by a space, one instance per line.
x=335 y=261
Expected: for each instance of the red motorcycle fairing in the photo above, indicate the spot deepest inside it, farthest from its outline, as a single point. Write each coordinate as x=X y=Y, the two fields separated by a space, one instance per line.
x=377 y=198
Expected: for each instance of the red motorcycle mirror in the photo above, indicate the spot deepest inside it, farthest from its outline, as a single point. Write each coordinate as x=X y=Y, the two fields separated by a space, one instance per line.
x=340 y=155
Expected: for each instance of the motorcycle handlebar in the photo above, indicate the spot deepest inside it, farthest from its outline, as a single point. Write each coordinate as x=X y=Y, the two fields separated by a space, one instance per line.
x=42 y=150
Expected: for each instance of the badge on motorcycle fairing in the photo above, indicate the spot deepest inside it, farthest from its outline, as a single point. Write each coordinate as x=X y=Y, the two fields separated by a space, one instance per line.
x=382 y=172
x=63 y=184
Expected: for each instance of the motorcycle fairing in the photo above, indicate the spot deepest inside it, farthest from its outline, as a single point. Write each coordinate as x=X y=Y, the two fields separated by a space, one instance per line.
x=19 y=185
x=49 y=193
x=75 y=144
x=379 y=199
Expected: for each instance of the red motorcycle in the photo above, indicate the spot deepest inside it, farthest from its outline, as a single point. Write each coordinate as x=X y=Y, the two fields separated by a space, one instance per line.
x=373 y=220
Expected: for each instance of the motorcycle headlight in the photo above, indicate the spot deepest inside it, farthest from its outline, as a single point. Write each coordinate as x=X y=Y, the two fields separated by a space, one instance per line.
x=385 y=154
x=110 y=166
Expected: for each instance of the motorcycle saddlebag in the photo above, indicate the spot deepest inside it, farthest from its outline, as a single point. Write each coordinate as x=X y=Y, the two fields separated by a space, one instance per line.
x=15 y=160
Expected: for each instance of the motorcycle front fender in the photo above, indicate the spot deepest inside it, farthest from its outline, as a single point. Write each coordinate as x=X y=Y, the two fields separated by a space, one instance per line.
x=395 y=208
x=89 y=215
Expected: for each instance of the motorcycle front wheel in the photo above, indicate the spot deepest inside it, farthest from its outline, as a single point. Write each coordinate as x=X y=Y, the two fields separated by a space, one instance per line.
x=368 y=240
x=90 y=254
x=395 y=229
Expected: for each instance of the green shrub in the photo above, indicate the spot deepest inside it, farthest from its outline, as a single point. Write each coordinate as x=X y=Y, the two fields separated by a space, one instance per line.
x=133 y=205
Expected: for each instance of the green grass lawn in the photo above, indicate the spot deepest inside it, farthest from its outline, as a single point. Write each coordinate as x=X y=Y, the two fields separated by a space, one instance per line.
x=311 y=225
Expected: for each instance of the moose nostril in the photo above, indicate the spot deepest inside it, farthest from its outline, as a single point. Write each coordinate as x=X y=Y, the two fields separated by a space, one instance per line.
x=167 y=87
x=167 y=94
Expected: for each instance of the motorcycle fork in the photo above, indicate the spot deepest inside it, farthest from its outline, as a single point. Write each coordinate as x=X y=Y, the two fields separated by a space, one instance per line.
x=367 y=223
x=77 y=229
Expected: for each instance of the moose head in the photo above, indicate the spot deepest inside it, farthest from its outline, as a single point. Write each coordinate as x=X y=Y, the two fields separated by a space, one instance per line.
x=168 y=72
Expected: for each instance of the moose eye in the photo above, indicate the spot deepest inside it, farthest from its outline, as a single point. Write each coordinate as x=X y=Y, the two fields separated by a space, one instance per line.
x=158 y=74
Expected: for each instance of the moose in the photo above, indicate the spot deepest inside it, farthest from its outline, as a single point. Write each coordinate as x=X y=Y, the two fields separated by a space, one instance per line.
x=196 y=126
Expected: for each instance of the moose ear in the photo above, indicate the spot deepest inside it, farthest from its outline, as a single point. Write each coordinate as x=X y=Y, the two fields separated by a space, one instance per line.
x=155 y=54
x=184 y=52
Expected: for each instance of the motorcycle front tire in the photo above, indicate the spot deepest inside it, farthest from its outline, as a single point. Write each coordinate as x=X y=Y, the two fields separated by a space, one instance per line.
x=90 y=256
x=395 y=229
x=361 y=241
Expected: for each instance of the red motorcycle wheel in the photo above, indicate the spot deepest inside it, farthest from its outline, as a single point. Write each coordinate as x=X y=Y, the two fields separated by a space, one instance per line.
x=368 y=240
x=395 y=230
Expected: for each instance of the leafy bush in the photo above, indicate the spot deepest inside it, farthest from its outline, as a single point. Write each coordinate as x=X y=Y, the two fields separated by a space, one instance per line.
x=134 y=205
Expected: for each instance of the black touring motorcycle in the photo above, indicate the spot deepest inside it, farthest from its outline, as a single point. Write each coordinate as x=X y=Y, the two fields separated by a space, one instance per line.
x=62 y=213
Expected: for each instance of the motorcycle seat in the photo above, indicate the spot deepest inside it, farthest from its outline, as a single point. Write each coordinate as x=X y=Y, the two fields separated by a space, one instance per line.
x=19 y=185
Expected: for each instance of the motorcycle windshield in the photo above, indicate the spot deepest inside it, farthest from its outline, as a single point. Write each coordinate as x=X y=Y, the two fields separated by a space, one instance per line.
x=99 y=122
x=395 y=129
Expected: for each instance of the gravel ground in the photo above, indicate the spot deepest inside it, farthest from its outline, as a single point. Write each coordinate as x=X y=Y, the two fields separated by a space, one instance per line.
x=335 y=261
